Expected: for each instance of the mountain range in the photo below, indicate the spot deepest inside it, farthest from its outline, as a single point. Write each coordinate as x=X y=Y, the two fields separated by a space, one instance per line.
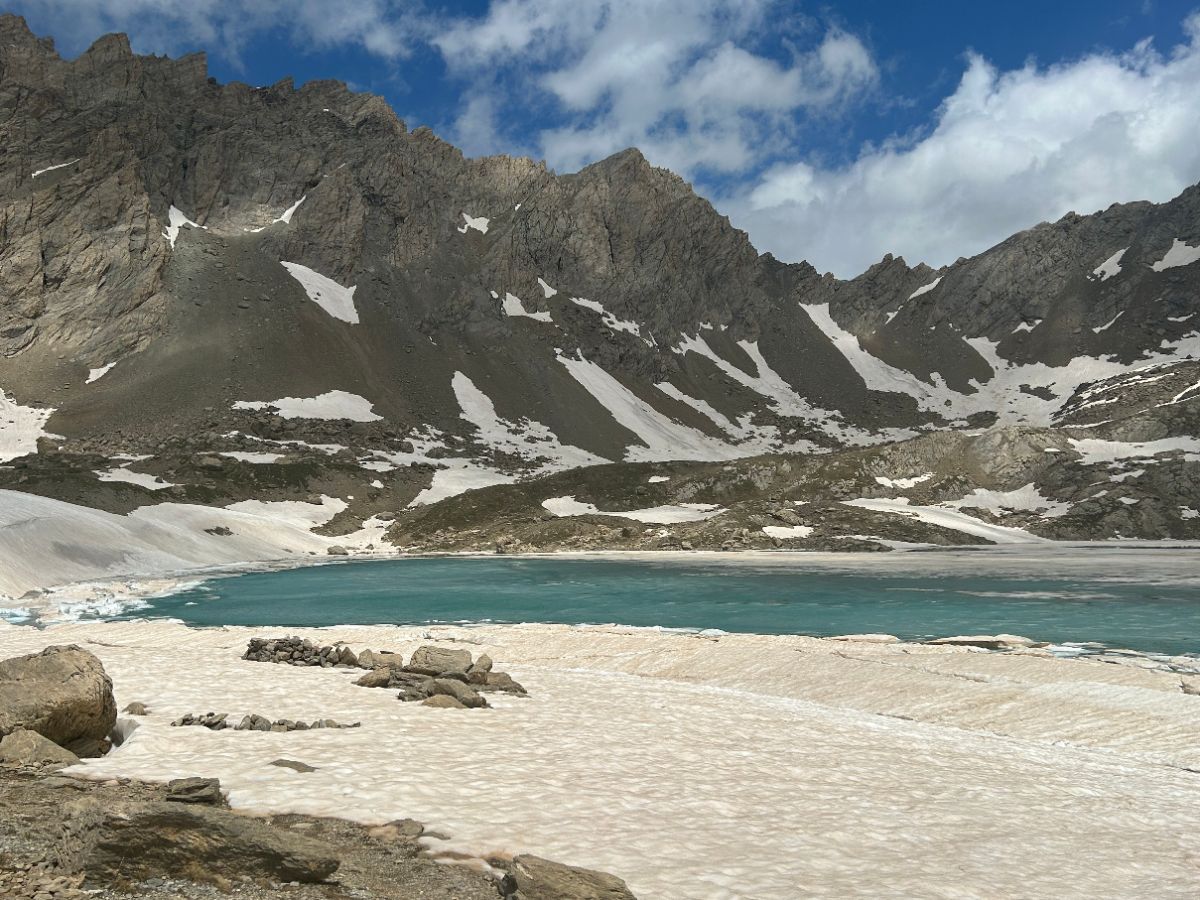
x=281 y=301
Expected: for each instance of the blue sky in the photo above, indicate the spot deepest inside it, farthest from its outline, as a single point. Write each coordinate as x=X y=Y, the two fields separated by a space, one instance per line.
x=831 y=132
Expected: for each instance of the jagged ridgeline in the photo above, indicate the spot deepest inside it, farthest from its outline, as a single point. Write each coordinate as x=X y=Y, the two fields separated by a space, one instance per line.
x=225 y=294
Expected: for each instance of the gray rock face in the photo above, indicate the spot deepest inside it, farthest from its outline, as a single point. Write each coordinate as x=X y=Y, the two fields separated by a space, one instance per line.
x=440 y=661
x=28 y=748
x=194 y=790
x=534 y=878
x=63 y=694
x=160 y=838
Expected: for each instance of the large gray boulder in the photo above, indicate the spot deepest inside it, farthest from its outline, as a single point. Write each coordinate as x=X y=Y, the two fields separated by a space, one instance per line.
x=62 y=693
x=440 y=661
x=535 y=878
x=160 y=839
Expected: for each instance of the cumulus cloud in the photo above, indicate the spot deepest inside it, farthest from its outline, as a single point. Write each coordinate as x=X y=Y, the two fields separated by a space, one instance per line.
x=684 y=80
x=379 y=27
x=1007 y=150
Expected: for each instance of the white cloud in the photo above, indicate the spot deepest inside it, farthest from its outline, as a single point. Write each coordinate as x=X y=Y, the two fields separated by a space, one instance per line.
x=381 y=28
x=1007 y=150
x=681 y=79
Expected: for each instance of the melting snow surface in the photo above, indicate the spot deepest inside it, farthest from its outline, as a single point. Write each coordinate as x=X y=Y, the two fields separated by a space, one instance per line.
x=479 y=223
x=176 y=220
x=1110 y=267
x=330 y=405
x=97 y=374
x=546 y=289
x=513 y=307
x=1180 y=254
x=20 y=428
x=655 y=515
x=1110 y=323
x=955 y=521
x=336 y=300
x=926 y=289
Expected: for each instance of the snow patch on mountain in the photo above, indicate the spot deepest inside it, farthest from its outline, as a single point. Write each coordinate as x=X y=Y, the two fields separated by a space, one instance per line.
x=1027 y=326
x=330 y=405
x=1110 y=267
x=457 y=478
x=547 y=291
x=946 y=518
x=336 y=300
x=1109 y=324
x=97 y=374
x=1094 y=451
x=1180 y=254
x=286 y=215
x=926 y=289
x=525 y=438
x=479 y=223
x=175 y=221
x=141 y=479
x=655 y=515
x=514 y=308
x=1026 y=499
x=611 y=322
x=250 y=456
x=662 y=437
x=784 y=532
x=903 y=483
x=53 y=168
x=20 y=427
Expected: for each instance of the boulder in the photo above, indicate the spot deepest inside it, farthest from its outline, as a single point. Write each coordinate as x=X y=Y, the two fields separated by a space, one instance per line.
x=988 y=641
x=194 y=790
x=381 y=677
x=502 y=681
x=440 y=661
x=867 y=638
x=294 y=765
x=366 y=659
x=535 y=878
x=450 y=687
x=160 y=839
x=62 y=693
x=28 y=748
x=443 y=701
x=136 y=709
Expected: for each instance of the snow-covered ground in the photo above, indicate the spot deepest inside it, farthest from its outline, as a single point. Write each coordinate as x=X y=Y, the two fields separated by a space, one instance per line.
x=778 y=766
x=654 y=515
x=332 y=297
x=330 y=405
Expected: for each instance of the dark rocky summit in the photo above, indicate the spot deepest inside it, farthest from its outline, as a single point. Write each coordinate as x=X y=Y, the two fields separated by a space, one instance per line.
x=510 y=322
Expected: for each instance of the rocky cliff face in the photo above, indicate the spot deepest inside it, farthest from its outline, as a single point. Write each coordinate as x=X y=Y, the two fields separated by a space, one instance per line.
x=279 y=293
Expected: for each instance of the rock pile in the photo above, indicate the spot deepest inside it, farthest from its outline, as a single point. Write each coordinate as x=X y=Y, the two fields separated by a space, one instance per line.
x=439 y=677
x=35 y=883
x=299 y=652
x=254 y=722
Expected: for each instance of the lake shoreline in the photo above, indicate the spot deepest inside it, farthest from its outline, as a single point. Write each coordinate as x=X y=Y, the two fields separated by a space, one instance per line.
x=963 y=758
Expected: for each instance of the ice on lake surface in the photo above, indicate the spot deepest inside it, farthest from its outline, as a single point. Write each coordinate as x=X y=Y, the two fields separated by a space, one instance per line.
x=1141 y=598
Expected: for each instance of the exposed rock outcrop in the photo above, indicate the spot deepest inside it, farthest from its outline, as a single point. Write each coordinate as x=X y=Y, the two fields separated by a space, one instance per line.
x=63 y=694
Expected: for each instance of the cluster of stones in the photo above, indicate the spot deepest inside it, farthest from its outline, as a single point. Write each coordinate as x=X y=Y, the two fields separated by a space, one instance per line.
x=437 y=676
x=299 y=652
x=27 y=882
x=254 y=722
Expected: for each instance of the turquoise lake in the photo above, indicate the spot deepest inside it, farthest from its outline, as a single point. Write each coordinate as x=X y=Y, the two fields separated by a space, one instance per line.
x=1135 y=599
